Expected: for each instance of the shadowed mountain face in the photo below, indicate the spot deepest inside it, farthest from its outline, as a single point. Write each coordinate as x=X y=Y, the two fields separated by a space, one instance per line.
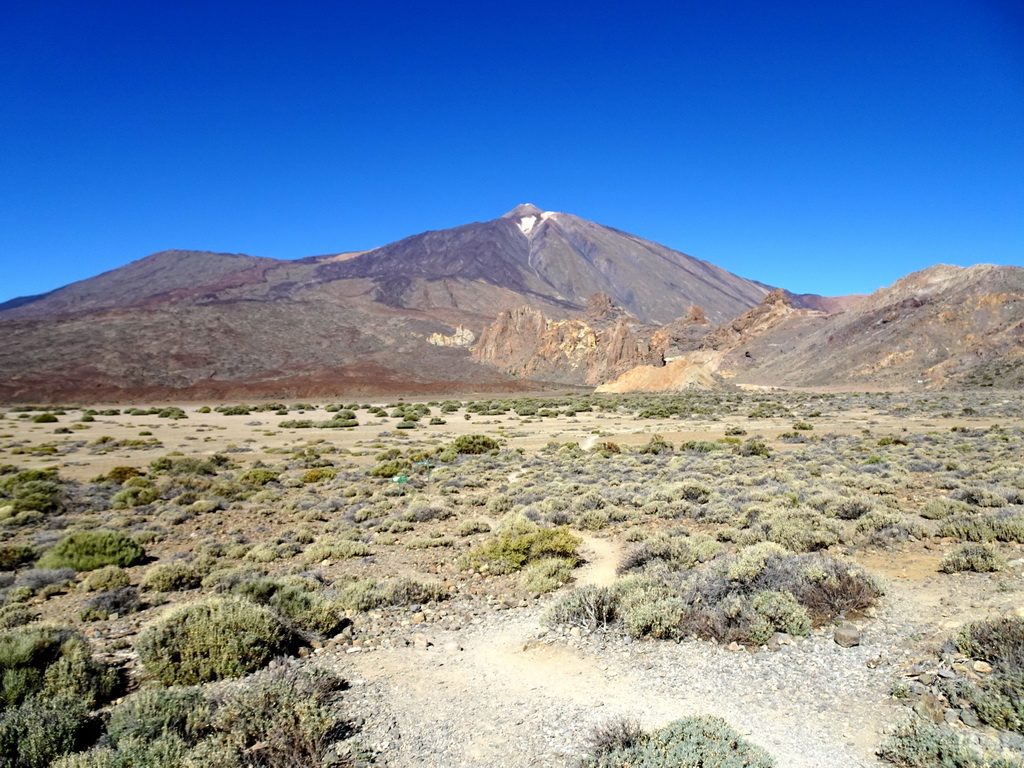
x=192 y=323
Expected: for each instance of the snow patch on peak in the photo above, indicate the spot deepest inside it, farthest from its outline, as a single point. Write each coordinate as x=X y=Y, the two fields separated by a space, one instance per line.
x=526 y=224
x=547 y=215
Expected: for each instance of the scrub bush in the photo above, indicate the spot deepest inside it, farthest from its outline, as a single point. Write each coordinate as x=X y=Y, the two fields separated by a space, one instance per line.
x=89 y=550
x=697 y=741
x=50 y=661
x=212 y=639
x=977 y=557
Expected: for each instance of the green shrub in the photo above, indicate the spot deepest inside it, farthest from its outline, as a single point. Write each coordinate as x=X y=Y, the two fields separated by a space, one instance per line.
x=474 y=444
x=919 y=743
x=391 y=468
x=106 y=578
x=212 y=639
x=546 y=575
x=796 y=529
x=881 y=524
x=15 y=615
x=939 y=509
x=335 y=548
x=753 y=447
x=13 y=556
x=44 y=418
x=985 y=528
x=171 y=577
x=513 y=548
x=165 y=752
x=30 y=490
x=648 y=608
x=779 y=612
x=135 y=492
x=745 y=598
x=588 y=607
x=283 y=717
x=257 y=476
x=50 y=661
x=89 y=550
x=153 y=713
x=469 y=527
x=40 y=731
x=297 y=600
x=690 y=741
x=656 y=445
x=319 y=475
x=999 y=641
x=120 y=474
x=980 y=558
x=294 y=716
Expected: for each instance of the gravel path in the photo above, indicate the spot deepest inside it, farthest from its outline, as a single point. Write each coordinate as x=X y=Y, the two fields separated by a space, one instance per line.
x=502 y=690
x=508 y=693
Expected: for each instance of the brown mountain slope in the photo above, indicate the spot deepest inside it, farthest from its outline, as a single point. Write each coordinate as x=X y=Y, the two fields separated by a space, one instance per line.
x=183 y=323
x=161 y=275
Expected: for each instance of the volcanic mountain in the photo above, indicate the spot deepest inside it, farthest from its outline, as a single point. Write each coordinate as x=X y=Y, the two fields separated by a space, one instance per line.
x=192 y=324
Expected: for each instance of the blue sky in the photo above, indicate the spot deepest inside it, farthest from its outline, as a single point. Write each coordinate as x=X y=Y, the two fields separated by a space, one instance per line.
x=821 y=147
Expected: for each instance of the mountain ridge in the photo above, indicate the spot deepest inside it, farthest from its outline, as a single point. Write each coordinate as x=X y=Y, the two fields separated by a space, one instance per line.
x=401 y=318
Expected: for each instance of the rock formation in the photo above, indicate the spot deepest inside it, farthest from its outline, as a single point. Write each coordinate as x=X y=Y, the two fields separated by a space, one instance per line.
x=590 y=349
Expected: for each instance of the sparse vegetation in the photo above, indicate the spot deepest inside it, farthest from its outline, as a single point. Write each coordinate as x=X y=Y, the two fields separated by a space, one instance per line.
x=316 y=548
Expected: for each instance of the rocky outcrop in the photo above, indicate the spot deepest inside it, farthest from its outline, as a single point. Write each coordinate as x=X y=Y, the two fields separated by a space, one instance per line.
x=676 y=376
x=697 y=362
x=775 y=307
x=463 y=337
x=589 y=350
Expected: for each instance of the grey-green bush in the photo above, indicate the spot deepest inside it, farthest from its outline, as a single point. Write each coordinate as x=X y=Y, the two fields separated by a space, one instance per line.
x=691 y=741
x=212 y=639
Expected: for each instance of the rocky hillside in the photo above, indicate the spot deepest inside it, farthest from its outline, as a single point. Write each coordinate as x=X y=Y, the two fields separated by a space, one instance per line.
x=940 y=327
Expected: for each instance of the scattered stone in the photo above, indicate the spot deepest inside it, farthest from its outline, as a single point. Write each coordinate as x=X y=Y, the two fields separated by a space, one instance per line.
x=982 y=667
x=847 y=636
x=930 y=706
x=420 y=641
x=969 y=718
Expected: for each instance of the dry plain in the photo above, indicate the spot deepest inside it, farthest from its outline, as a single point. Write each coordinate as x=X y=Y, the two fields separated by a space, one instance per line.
x=564 y=562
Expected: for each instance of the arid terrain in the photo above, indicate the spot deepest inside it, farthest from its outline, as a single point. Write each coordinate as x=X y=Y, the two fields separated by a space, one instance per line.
x=494 y=579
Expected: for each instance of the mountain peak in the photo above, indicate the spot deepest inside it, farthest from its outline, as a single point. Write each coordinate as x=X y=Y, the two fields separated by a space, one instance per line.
x=524 y=209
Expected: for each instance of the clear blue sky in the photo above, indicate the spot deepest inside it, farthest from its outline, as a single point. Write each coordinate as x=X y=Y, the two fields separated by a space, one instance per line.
x=823 y=147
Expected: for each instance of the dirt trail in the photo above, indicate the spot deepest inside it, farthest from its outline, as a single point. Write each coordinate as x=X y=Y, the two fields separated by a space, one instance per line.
x=507 y=693
x=601 y=556
x=503 y=697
